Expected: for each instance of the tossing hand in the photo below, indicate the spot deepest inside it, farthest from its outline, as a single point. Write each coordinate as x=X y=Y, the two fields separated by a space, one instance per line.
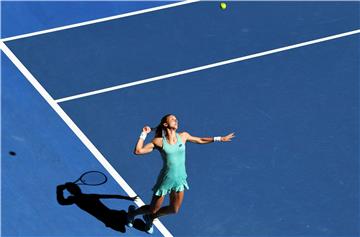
x=146 y=129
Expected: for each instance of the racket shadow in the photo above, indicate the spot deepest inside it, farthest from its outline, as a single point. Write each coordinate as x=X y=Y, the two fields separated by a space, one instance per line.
x=91 y=203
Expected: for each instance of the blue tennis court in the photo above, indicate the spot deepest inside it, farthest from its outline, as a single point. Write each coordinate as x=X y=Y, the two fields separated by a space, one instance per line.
x=81 y=79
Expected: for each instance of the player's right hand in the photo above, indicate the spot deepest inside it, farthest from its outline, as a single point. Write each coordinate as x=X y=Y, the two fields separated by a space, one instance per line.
x=146 y=129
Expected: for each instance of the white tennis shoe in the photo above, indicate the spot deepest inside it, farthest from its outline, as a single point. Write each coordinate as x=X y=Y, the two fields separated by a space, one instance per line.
x=149 y=228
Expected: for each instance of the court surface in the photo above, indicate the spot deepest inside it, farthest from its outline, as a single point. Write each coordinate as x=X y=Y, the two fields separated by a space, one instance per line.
x=282 y=75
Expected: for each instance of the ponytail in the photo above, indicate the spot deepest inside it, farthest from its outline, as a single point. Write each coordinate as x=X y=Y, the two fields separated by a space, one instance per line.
x=159 y=129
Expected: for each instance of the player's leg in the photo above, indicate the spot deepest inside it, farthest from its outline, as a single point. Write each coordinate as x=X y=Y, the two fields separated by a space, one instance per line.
x=154 y=206
x=176 y=199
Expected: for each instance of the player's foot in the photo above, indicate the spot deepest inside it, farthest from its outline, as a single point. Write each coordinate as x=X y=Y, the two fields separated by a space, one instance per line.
x=129 y=216
x=149 y=228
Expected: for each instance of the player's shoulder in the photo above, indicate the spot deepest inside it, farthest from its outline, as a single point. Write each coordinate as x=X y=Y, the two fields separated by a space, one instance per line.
x=184 y=134
x=157 y=141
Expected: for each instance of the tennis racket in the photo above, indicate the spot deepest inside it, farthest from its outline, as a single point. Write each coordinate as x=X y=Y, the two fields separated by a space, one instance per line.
x=92 y=178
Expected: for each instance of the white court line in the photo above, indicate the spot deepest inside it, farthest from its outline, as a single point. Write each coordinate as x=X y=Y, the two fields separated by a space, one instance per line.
x=99 y=20
x=78 y=132
x=196 y=69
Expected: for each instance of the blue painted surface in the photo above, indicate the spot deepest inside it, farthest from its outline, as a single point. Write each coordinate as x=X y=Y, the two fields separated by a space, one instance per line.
x=174 y=39
x=292 y=170
x=21 y=17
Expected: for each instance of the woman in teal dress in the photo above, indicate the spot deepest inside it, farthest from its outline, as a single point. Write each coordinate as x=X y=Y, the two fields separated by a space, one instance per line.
x=172 y=177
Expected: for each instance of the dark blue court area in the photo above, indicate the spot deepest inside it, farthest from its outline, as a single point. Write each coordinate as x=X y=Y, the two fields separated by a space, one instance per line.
x=291 y=170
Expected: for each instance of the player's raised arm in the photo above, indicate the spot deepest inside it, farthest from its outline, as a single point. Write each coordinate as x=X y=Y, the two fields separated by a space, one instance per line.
x=140 y=149
x=206 y=140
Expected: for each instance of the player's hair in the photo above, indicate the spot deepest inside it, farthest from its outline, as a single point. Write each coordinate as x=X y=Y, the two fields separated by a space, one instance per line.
x=160 y=127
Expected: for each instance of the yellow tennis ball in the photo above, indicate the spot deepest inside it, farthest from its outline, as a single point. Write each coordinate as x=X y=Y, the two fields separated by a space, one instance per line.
x=223 y=5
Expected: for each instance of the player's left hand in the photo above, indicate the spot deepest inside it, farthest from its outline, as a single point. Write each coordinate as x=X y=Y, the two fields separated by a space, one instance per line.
x=228 y=137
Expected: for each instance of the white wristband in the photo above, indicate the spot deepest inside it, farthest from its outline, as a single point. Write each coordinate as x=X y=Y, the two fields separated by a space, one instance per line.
x=143 y=135
x=217 y=139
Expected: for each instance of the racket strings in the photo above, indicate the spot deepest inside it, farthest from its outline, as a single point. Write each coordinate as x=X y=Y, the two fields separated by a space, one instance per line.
x=93 y=178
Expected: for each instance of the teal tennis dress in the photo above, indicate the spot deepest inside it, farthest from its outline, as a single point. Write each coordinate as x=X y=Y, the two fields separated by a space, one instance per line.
x=173 y=175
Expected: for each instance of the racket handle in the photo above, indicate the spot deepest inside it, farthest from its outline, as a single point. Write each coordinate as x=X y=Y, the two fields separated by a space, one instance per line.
x=76 y=181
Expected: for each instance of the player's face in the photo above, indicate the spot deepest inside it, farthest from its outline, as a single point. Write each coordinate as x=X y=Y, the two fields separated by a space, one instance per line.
x=172 y=122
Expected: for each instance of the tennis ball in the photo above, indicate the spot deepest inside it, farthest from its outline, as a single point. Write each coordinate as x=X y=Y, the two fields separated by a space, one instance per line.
x=223 y=5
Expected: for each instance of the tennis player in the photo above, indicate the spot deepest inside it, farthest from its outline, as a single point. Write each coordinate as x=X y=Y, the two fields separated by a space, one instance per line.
x=172 y=177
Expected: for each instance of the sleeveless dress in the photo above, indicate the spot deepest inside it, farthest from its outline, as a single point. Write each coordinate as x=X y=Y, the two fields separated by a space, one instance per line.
x=173 y=175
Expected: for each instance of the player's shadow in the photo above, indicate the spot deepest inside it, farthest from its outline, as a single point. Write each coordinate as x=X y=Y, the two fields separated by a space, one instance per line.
x=90 y=203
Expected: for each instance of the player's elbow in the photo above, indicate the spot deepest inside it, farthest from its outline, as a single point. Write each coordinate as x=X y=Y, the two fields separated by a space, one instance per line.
x=139 y=152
